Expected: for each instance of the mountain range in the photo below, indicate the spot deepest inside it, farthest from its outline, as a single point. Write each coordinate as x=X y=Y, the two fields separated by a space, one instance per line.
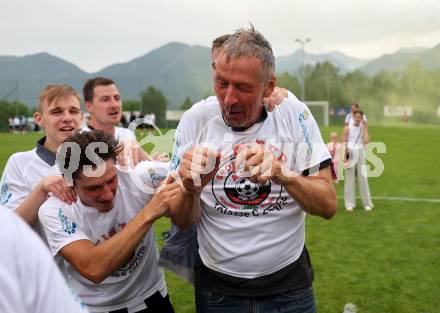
x=179 y=70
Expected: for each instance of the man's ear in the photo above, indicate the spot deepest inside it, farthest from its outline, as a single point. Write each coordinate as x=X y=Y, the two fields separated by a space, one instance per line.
x=270 y=86
x=38 y=117
x=88 y=105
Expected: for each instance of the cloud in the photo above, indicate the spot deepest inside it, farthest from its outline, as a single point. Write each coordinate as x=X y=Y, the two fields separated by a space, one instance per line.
x=93 y=34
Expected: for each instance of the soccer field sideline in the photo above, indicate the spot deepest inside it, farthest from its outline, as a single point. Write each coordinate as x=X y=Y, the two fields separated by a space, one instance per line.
x=404 y=199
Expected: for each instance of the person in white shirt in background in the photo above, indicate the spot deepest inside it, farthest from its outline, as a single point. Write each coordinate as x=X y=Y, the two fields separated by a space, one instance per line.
x=356 y=137
x=349 y=117
x=30 y=280
x=29 y=177
x=104 y=104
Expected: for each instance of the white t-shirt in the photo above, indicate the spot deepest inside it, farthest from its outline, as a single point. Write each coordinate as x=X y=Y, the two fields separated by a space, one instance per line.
x=355 y=136
x=30 y=282
x=22 y=173
x=247 y=230
x=350 y=121
x=131 y=284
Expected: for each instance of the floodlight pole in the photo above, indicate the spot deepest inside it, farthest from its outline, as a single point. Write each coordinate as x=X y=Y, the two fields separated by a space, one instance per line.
x=303 y=68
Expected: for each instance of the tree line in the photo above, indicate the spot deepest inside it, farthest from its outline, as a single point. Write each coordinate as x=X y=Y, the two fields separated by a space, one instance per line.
x=414 y=86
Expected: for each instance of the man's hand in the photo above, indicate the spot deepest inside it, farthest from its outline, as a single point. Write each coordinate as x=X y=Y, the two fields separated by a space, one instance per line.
x=58 y=187
x=159 y=157
x=277 y=96
x=197 y=168
x=159 y=205
x=130 y=155
x=260 y=164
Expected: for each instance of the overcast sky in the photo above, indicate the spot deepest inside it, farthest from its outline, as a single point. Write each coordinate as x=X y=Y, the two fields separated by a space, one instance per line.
x=95 y=33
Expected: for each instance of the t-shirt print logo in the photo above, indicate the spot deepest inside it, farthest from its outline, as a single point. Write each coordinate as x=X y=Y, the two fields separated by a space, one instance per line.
x=5 y=195
x=241 y=190
x=238 y=196
x=67 y=225
x=302 y=117
x=129 y=267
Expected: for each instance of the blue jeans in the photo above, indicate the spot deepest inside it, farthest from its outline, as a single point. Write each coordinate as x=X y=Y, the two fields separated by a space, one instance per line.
x=298 y=301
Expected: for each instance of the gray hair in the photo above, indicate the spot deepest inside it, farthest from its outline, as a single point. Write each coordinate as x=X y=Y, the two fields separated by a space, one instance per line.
x=251 y=43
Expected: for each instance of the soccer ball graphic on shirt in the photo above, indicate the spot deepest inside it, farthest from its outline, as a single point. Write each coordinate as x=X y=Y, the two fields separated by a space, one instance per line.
x=241 y=191
x=247 y=189
x=236 y=192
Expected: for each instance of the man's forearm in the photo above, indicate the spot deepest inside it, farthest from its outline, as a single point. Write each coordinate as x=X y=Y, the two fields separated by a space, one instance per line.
x=185 y=210
x=97 y=262
x=315 y=194
x=28 y=209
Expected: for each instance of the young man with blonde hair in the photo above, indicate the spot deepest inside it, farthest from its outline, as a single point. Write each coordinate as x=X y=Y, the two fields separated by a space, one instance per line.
x=30 y=176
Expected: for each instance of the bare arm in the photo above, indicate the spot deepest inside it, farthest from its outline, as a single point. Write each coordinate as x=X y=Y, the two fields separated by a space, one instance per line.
x=345 y=135
x=315 y=194
x=97 y=262
x=198 y=166
x=366 y=136
x=185 y=209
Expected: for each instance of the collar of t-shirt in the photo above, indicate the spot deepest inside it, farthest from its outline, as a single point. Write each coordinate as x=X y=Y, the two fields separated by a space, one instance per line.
x=45 y=154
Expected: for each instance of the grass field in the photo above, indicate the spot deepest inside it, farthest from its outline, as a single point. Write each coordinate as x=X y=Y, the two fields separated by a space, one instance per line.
x=384 y=261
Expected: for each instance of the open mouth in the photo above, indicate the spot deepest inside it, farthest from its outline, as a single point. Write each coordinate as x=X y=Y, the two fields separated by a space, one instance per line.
x=113 y=113
x=67 y=129
x=234 y=114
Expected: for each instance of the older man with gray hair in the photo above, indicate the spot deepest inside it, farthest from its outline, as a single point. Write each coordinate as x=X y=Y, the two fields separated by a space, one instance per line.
x=253 y=176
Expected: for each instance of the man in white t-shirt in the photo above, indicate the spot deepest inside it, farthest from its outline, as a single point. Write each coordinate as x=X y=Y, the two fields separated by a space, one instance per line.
x=178 y=252
x=103 y=101
x=255 y=174
x=30 y=176
x=30 y=280
x=349 y=121
x=105 y=239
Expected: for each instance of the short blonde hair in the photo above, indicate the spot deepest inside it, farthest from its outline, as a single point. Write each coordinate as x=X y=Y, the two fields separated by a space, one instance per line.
x=52 y=93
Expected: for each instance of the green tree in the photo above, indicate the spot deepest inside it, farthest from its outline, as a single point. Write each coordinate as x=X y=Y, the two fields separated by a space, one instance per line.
x=131 y=105
x=153 y=101
x=292 y=83
x=187 y=104
x=11 y=109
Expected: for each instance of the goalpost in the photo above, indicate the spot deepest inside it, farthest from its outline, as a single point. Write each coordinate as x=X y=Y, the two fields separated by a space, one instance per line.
x=319 y=110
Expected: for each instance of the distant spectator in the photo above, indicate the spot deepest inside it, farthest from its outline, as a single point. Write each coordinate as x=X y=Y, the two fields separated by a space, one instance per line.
x=349 y=118
x=16 y=124
x=23 y=124
x=132 y=117
x=141 y=116
x=405 y=117
x=356 y=137
x=11 y=124
x=124 y=122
